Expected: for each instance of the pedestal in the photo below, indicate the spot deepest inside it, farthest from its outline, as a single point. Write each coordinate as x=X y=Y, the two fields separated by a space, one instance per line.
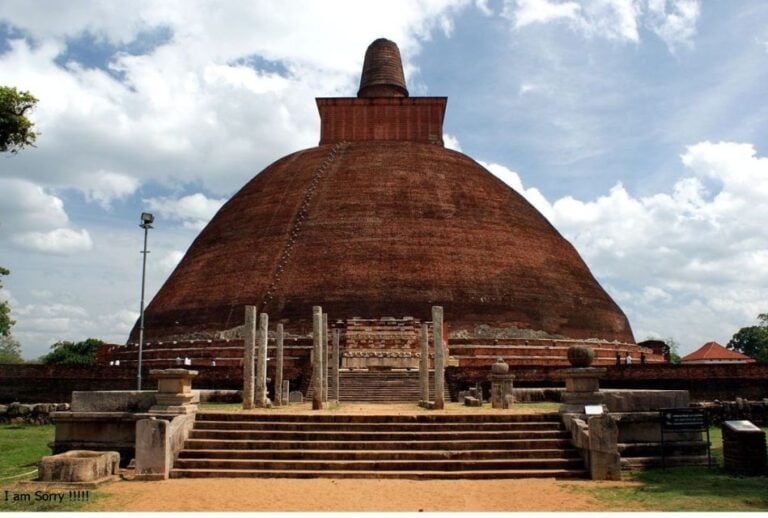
x=501 y=390
x=582 y=387
x=174 y=391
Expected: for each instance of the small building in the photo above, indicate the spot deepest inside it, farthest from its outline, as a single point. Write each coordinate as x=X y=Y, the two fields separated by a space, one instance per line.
x=713 y=352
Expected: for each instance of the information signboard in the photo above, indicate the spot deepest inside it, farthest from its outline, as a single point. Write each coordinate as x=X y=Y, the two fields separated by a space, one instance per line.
x=678 y=420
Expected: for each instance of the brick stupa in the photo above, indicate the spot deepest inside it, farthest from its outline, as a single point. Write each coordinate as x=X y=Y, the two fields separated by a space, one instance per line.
x=381 y=220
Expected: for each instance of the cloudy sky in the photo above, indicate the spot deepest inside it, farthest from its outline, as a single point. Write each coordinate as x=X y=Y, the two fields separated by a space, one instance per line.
x=638 y=127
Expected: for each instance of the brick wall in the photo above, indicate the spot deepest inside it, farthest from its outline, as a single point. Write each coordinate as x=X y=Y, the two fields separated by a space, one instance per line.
x=704 y=382
x=418 y=119
x=49 y=383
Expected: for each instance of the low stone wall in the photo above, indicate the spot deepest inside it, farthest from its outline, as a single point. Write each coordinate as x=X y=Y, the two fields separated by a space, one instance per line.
x=30 y=413
x=703 y=382
x=755 y=411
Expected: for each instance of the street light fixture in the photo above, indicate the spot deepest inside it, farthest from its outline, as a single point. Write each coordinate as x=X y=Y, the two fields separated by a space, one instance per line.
x=146 y=223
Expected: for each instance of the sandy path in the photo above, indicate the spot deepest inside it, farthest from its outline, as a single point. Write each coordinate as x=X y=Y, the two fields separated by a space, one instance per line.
x=351 y=495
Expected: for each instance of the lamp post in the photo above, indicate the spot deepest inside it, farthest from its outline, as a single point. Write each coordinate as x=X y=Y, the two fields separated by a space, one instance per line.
x=146 y=223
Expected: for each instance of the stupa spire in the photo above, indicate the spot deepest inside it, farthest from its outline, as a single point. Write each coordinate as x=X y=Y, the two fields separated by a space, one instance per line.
x=382 y=71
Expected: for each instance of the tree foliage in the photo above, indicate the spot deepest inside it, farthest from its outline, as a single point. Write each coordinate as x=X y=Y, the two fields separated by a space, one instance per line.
x=16 y=130
x=10 y=350
x=73 y=353
x=5 y=310
x=752 y=340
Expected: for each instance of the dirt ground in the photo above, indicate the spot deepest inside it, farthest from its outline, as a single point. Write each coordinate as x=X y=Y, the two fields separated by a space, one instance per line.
x=323 y=495
x=350 y=495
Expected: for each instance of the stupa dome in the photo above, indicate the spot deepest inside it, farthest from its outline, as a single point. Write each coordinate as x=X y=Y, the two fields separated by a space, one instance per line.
x=381 y=220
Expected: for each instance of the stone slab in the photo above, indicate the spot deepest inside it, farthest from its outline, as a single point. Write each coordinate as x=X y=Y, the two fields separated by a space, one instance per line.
x=112 y=400
x=77 y=466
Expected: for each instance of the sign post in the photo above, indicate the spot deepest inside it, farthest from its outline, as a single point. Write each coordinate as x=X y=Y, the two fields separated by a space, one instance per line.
x=677 y=420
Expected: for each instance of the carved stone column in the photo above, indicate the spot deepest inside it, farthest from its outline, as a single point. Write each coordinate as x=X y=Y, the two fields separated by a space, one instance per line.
x=279 y=366
x=424 y=364
x=437 y=331
x=249 y=355
x=317 y=354
x=261 y=399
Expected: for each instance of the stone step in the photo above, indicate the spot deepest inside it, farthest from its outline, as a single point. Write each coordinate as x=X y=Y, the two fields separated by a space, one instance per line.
x=380 y=427
x=378 y=465
x=422 y=417
x=406 y=474
x=412 y=455
x=344 y=435
x=416 y=446
x=420 y=445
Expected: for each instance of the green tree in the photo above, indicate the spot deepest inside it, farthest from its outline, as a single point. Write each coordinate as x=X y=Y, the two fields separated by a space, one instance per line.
x=752 y=340
x=16 y=130
x=674 y=349
x=73 y=353
x=5 y=310
x=10 y=350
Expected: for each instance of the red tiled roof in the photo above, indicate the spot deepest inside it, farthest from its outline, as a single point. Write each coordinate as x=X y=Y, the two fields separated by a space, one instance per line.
x=713 y=351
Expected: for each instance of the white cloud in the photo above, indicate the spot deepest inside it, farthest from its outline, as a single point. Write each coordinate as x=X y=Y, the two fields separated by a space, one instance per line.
x=194 y=210
x=26 y=206
x=104 y=187
x=526 y=12
x=59 y=241
x=35 y=220
x=451 y=142
x=695 y=258
x=674 y=21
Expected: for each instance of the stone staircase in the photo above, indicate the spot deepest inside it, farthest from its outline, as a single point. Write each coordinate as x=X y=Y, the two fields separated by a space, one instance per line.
x=419 y=446
x=381 y=387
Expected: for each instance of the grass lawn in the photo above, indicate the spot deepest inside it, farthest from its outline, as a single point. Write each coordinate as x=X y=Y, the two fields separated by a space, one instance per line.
x=21 y=447
x=694 y=488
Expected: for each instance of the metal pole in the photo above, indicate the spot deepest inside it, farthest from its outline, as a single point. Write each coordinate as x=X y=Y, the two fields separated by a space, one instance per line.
x=141 y=308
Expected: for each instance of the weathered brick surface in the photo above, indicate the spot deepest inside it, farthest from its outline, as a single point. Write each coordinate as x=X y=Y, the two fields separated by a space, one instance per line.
x=391 y=229
x=407 y=119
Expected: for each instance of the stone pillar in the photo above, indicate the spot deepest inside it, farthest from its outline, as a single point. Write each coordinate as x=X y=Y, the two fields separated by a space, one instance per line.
x=437 y=331
x=279 y=366
x=424 y=364
x=261 y=399
x=286 y=392
x=249 y=339
x=317 y=354
x=335 y=365
x=325 y=357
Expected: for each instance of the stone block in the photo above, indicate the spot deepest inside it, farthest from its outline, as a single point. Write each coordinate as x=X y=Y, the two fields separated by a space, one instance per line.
x=472 y=401
x=157 y=442
x=79 y=466
x=295 y=396
x=604 y=458
x=112 y=401
x=618 y=400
